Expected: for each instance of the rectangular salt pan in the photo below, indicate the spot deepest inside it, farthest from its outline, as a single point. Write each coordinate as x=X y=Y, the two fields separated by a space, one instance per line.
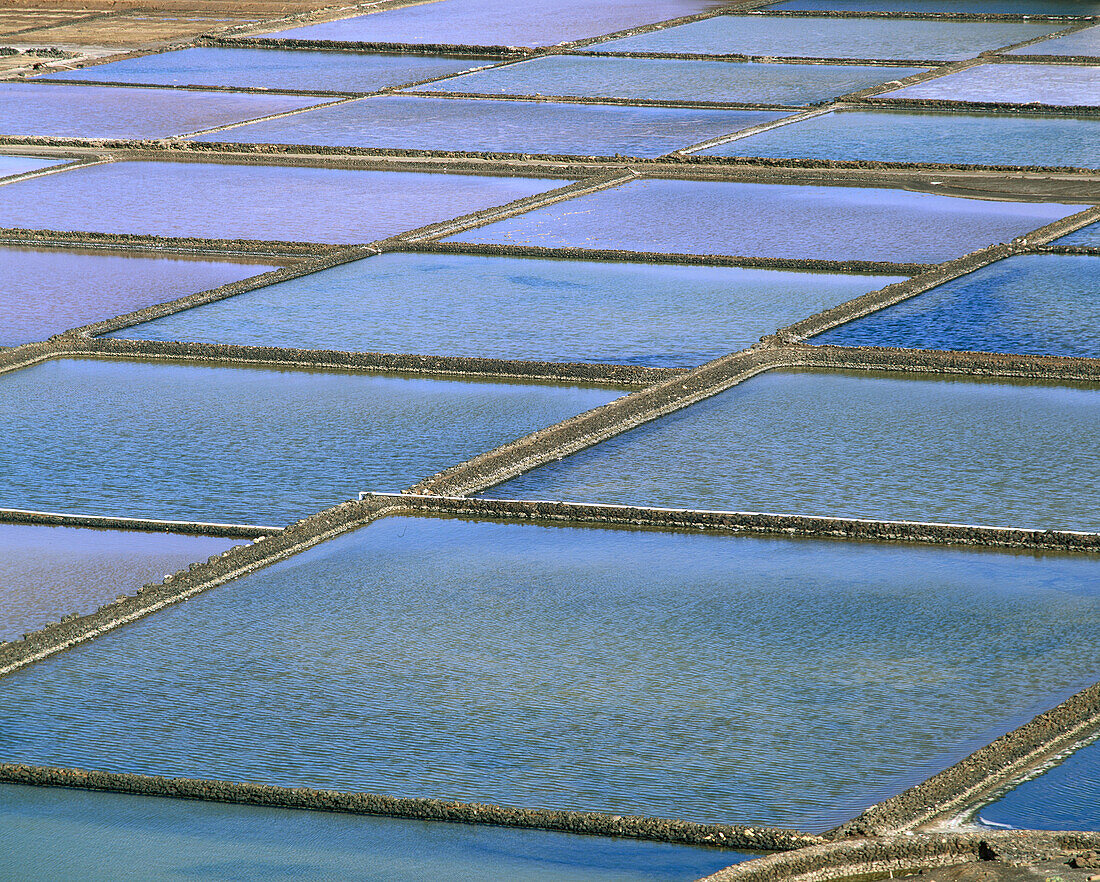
x=772 y=220
x=1036 y=304
x=50 y=572
x=1053 y=84
x=238 y=202
x=77 y=111
x=858 y=446
x=418 y=123
x=949 y=138
x=673 y=80
x=81 y=834
x=628 y=672
x=1067 y=797
x=194 y=442
x=274 y=69
x=48 y=291
x=18 y=165
x=659 y=315
x=497 y=22
x=979 y=7
x=825 y=37
x=1085 y=43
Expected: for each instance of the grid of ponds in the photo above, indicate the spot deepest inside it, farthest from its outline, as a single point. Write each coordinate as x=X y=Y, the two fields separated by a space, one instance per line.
x=675 y=235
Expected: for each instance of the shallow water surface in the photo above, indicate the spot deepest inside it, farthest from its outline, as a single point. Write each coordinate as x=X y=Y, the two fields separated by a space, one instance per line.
x=17 y=165
x=1084 y=43
x=1040 y=304
x=956 y=138
x=47 y=291
x=679 y=675
x=49 y=572
x=854 y=445
x=195 y=442
x=78 y=834
x=400 y=121
x=1067 y=797
x=1056 y=84
x=673 y=79
x=250 y=201
x=274 y=69
x=498 y=22
x=1086 y=237
x=772 y=220
x=77 y=111
x=1009 y=7
x=660 y=315
x=824 y=37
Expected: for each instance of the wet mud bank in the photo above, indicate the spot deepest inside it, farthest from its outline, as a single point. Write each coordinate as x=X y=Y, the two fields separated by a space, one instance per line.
x=760 y=839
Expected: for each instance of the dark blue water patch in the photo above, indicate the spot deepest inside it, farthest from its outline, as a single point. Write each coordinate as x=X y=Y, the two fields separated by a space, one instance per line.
x=659 y=315
x=79 y=111
x=981 y=7
x=195 y=442
x=861 y=446
x=772 y=220
x=673 y=79
x=55 y=834
x=1067 y=797
x=1086 y=237
x=1083 y=43
x=1039 y=304
x=713 y=678
x=824 y=37
x=17 y=165
x=405 y=122
x=274 y=69
x=953 y=138
x=1053 y=84
x=251 y=201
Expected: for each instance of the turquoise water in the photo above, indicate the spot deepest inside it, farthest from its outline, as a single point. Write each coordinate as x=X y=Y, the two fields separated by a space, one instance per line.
x=660 y=315
x=250 y=201
x=1086 y=237
x=848 y=445
x=1042 y=304
x=823 y=37
x=1057 y=84
x=72 y=111
x=47 y=291
x=273 y=69
x=673 y=79
x=960 y=138
x=191 y=442
x=398 y=121
x=49 y=572
x=17 y=165
x=772 y=220
x=498 y=22
x=614 y=670
x=1065 y=798
x=1010 y=7
x=76 y=834
x=1086 y=42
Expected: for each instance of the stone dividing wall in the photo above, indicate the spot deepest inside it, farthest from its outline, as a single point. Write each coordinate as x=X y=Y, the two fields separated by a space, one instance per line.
x=584 y=823
x=145 y=525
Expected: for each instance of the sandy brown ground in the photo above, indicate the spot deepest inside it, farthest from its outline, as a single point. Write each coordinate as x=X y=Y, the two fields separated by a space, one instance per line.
x=1012 y=868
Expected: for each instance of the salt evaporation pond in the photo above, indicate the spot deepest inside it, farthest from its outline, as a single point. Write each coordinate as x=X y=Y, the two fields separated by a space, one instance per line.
x=421 y=123
x=630 y=672
x=673 y=79
x=854 y=445
x=772 y=220
x=1084 y=43
x=659 y=315
x=213 y=200
x=1055 y=84
x=274 y=69
x=952 y=138
x=18 y=165
x=76 y=111
x=497 y=22
x=828 y=37
x=50 y=290
x=1067 y=797
x=1038 y=304
x=49 y=572
x=196 y=442
x=57 y=834
x=979 y=7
